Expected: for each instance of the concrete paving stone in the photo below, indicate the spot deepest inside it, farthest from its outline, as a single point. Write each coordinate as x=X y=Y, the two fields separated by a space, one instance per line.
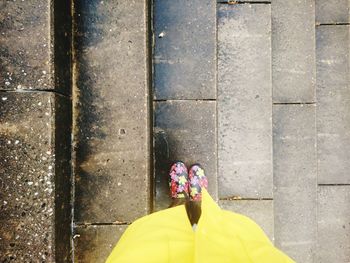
x=293 y=51
x=161 y=168
x=261 y=211
x=294 y=144
x=333 y=224
x=93 y=244
x=244 y=101
x=333 y=102
x=28 y=51
x=185 y=49
x=186 y=132
x=328 y=12
x=111 y=114
x=295 y=222
x=295 y=180
x=35 y=210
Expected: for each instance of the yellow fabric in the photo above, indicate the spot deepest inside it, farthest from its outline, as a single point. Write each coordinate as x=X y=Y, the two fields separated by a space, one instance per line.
x=221 y=236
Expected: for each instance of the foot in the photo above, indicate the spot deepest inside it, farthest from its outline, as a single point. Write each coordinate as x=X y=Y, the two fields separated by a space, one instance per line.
x=178 y=180
x=197 y=180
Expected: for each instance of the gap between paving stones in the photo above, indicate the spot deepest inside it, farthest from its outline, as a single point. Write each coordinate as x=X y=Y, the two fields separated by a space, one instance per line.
x=332 y=24
x=239 y=198
x=150 y=79
x=243 y=2
x=171 y=100
x=333 y=184
x=294 y=103
x=102 y=224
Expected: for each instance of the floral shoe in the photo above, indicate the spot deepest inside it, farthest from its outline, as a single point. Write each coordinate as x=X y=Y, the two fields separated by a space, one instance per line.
x=198 y=180
x=178 y=182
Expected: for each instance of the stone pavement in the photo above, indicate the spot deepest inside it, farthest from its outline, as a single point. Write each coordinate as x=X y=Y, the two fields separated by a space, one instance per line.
x=35 y=121
x=256 y=91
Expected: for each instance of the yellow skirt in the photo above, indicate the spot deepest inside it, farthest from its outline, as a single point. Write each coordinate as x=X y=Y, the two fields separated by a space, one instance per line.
x=221 y=236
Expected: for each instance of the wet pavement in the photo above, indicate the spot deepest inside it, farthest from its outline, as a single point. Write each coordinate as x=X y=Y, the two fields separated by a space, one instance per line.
x=255 y=91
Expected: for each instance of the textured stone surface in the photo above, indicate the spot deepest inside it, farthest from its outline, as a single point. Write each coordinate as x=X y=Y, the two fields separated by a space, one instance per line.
x=261 y=211
x=333 y=97
x=93 y=244
x=185 y=49
x=329 y=12
x=244 y=101
x=111 y=114
x=34 y=177
x=293 y=56
x=295 y=180
x=333 y=224
x=31 y=43
x=63 y=177
x=186 y=131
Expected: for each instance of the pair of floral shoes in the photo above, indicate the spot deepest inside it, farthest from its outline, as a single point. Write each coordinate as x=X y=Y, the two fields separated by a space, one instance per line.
x=184 y=183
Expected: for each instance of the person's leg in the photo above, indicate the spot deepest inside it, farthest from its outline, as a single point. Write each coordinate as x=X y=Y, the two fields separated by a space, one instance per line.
x=178 y=201
x=197 y=181
x=194 y=211
x=186 y=188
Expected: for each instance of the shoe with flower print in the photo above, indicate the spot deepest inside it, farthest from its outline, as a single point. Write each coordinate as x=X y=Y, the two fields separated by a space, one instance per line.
x=178 y=182
x=197 y=180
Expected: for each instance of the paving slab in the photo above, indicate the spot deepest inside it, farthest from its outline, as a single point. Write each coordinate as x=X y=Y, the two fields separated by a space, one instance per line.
x=293 y=51
x=27 y=52
x=295 y=180
x=186 y=132
x=111 y=112
x=93 y=244
x=333 y=102
x=185 y=49
x=261 y=211
x=330 y=12
x=333 y=224
x=244 y=101
x=34 y=177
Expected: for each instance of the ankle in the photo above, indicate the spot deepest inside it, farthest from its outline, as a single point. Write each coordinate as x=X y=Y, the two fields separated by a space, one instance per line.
x=194 y=211
x=178 y=201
